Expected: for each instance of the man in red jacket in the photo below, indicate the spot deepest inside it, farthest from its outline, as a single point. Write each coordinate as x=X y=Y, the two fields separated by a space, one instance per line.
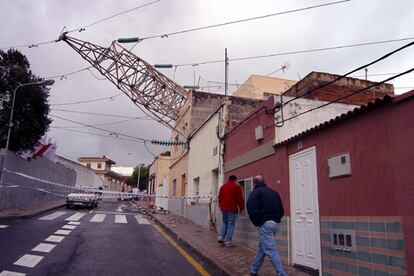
x=231 y=203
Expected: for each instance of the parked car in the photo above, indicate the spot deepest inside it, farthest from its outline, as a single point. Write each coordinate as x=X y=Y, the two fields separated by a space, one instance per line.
x=82 y=199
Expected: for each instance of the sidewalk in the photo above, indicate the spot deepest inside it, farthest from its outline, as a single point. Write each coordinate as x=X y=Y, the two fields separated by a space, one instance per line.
x=230 y=260
x=30 y=210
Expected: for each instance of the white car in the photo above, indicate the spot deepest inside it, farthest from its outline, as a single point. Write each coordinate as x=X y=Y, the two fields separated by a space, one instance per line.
x=82 y=199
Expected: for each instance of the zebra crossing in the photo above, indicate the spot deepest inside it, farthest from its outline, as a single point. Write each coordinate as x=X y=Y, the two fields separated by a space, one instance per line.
x=74 y=219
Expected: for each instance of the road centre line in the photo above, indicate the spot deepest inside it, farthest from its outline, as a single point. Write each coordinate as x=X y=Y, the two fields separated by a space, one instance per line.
x=54 y=238
x=11 y=273
x=62 y=232
x=44 y=247
x=113 y=213
x=28 y=260
x=190 y=259
x=70 y=227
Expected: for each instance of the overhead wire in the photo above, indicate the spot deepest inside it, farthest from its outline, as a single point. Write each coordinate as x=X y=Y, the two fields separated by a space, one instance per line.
x=80 y=29
x=88 y=101
x=97 y=134
x=241 y=20
x=100 y=114
x=349 y=73
x=101 y=124
x=83 y=28
x=116 y=133
x=298 y=52
x=351 y=94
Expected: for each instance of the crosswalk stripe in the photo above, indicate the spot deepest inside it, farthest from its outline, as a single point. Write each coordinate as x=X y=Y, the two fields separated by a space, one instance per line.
x=2 y=226
x=98 y=218
x=28 y=260
x=11 y=273
x=74 y=222
x=120 y=219
x=44 y=247
x=76 y=217
x=53 y=215
x=141 y=219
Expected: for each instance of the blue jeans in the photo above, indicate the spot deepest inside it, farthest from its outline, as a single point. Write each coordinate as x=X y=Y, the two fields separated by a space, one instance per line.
x=227 y=225
x=267 y=247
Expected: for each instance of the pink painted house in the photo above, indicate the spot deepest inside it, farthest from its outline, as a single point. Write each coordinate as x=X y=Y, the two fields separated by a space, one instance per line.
x=346 y=184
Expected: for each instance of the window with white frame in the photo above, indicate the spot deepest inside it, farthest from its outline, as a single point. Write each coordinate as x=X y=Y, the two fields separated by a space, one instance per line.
x=247 y=187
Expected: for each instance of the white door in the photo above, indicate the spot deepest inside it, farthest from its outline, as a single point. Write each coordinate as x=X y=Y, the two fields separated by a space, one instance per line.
x=304 y=209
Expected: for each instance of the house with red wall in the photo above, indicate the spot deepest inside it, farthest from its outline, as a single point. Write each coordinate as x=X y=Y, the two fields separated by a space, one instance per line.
x=345 y=184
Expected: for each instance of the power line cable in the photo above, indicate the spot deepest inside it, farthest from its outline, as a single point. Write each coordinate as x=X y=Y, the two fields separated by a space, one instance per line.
x=241 y=20
x=88 y=101
x=96 y=134
x=297 y=52
x=349 y=95
x=83 y=28
x=100 y=114
x=80 y=29
x=349 y=73
x=101 y=124
x=116 y=133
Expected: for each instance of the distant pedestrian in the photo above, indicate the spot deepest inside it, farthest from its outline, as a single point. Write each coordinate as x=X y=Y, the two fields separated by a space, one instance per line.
x=231 y=203
x=265 y=210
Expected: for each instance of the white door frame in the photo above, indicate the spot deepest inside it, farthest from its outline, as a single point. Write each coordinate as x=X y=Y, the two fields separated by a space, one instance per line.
x=311 y=150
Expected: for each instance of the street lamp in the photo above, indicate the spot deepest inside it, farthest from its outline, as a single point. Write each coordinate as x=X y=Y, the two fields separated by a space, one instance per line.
x=41 y=82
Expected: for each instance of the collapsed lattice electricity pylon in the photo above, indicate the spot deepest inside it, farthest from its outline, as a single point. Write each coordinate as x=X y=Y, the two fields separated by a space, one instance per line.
x=138 y=79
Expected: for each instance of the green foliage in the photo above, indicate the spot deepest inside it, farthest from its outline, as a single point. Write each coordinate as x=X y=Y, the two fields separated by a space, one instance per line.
x=143 y=179
x=30 y=121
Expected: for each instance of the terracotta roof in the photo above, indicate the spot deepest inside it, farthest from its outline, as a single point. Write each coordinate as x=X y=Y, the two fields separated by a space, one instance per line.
x=345 y=116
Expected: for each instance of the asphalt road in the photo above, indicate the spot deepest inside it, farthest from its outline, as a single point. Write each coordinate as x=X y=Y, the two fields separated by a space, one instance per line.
x=109 y=240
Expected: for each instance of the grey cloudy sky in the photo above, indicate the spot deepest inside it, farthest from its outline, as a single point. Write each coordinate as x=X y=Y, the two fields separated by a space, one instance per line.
x=356 y=21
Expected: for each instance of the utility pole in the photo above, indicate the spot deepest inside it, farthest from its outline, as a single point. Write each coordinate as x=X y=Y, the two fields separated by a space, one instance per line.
x=226 y=72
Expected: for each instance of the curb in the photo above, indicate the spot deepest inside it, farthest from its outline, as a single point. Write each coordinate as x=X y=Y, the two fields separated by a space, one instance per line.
x=31 y=215
x=188 y=246
x=177 y=238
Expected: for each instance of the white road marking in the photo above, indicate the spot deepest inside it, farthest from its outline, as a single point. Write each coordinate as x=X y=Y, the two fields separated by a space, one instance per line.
x=53 y=238
x=76 y=216
x=62 y=232
x=2 y=226
x=53 y=215
x=98 y=218
x=44 y=247
x=28 y=260
x=70 y=227
x=74 y=222
x=11 y=273
x=142 y=220
x=119 y=209
x=115 y=213
x=120 y=219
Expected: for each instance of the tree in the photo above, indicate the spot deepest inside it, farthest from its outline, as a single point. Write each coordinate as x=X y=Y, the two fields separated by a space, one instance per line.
x=143 y=177
x=30 y=121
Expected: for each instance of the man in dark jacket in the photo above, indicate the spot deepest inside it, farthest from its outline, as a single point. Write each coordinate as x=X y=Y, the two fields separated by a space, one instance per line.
x=231 y=202
x=265 y=210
